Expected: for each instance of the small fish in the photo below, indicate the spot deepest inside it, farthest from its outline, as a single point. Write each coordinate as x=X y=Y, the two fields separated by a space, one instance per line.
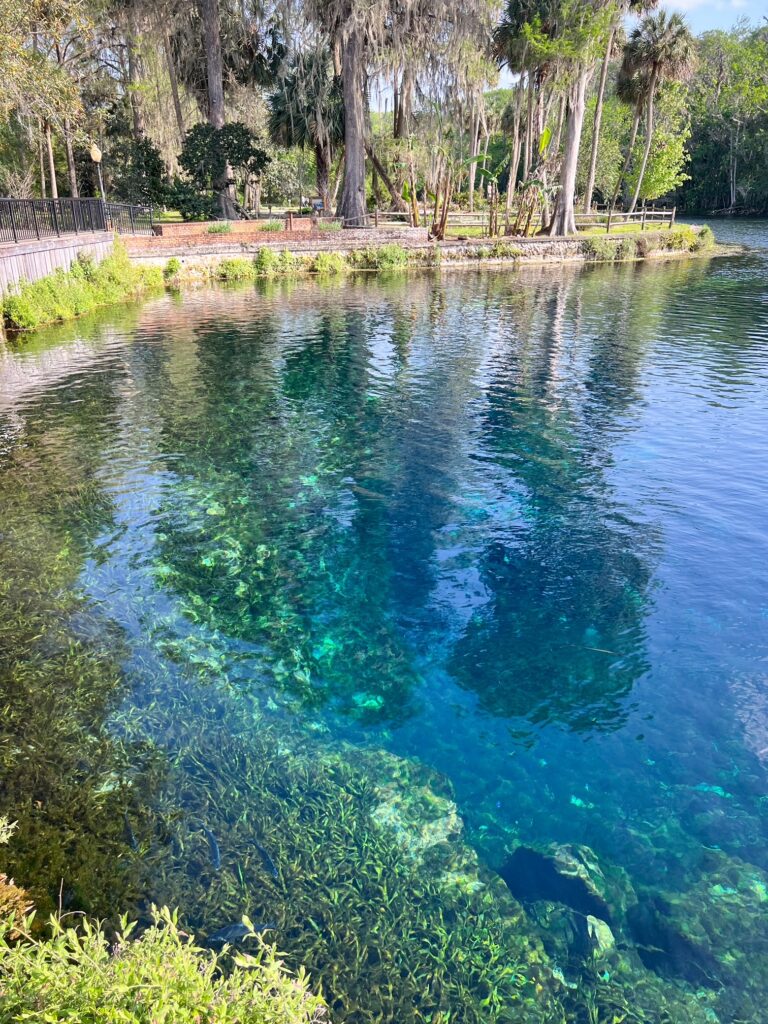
x=266 y=860
x=235 y=932
x=130 y=835
x=214 y=846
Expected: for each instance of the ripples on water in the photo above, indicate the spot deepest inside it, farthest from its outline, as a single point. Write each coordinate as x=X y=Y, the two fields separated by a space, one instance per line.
x=509 y=524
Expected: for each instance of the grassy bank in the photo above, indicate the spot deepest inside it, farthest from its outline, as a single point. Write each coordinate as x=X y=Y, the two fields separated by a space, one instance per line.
x=86 y=286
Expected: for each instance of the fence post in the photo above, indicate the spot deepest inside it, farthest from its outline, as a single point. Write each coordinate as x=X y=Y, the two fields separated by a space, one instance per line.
x=13 y=221
x=289 y=220
x=133 y=223
x=672 y=218
x=34 y=219
x=55 y=218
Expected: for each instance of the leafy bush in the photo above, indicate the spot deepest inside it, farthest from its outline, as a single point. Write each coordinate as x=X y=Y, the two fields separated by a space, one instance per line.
x=705 y=239
x=266 y=262
x=682 y=238
x=160 y=976
x=505 y=251
x=627 y=249
x=329 y=225
x=600 y=249
x=221 y=228
x=64 y=295
x=190 y=202
x=379 y=257
x=237 y=269
x=272 y=225
x=141 y=176
x=172 y=268
x=329 y=263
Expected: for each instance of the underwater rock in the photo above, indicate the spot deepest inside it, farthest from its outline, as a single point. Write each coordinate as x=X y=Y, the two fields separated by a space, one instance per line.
x=570 y=875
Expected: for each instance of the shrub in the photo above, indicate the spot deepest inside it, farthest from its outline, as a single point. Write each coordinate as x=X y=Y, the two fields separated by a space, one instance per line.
x=159 y=976
x=84 y=287
x=329 y=263
x=172 y=268
x=266 y=262
x=329 y=225
x=505 y=251
x=600 y=249
x=222 y=228
x=705 y=239
x=380 y=257
x=627 y=249
x=272 y=225
x=682 y=238
x=237 y=269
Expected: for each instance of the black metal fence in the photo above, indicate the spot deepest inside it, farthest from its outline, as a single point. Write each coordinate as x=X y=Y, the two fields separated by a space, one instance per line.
x=24 y=219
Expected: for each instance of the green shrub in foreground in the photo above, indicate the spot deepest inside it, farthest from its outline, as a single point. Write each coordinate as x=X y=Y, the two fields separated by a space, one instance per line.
x=705 y=239
x=78 y=975
x=379 y=257
x=329 y=263
x=236 y=269
x=222 y=228
x=601 y=249
x=84 y=287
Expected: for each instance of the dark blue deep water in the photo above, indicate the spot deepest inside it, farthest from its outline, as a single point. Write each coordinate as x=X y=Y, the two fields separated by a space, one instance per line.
x=510 y=525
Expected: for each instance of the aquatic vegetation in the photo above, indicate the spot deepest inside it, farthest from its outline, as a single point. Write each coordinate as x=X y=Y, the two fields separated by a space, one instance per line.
x=329 y=263
x=236 y=269
x=86 y=286
x=157 y=975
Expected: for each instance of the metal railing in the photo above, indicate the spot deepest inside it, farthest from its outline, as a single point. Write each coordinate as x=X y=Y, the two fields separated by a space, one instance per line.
x=27 y=219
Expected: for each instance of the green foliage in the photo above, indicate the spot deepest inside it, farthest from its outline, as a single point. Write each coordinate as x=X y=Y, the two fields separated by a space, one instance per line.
x=171 y=268
x=600 y=249
x=222 y=228
x=141 y=176
x=379 y=257
x=237 y=269
x=191 y=203
x=329 y=263
x=627 y=249
x=505 y=251
x=207 y=150
x=279 y=179
x=668 y=158
x=64 y=295
x=705 y=239
x=329 y=225
x=160 y=976
x=272 y=225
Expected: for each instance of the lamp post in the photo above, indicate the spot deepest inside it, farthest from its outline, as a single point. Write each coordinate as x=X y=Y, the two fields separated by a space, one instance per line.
x=96 y=157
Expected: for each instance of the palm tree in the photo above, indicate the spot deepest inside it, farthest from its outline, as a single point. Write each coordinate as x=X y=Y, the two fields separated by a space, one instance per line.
x=308 y=110
x=631 y=89
x=662 y=48
x=624 y=7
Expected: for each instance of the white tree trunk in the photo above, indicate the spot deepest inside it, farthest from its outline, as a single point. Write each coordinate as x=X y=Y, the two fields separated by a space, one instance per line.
x=597 y=123
x=564 y=221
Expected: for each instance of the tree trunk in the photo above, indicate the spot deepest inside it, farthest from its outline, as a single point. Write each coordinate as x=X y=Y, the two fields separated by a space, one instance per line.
x=648 y=138
x=474 y=128
x=564 y=221
x=135 y=76
x=628 y=161
x=174 y=80
x=214 y=64
x=397 y=199
x=41 y=158
x=597 y=123
x=528 y=129
x=51 y=164
x=71 y=169
x=209 y=13
x=323 y=175
x=514 y=163
x=352 y=200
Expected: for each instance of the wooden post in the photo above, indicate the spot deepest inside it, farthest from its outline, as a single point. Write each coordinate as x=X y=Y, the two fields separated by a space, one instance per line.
x=289 y=220
x=672 y=218
x=376 y=216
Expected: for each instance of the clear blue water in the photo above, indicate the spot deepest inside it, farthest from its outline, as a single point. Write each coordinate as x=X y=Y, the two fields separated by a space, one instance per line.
x=510 y=525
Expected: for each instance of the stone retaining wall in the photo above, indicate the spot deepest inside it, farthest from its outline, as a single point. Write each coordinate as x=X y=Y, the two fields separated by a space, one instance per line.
x=210 y=251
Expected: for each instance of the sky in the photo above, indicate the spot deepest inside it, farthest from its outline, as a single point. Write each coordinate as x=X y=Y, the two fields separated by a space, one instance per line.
x=703 y=15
